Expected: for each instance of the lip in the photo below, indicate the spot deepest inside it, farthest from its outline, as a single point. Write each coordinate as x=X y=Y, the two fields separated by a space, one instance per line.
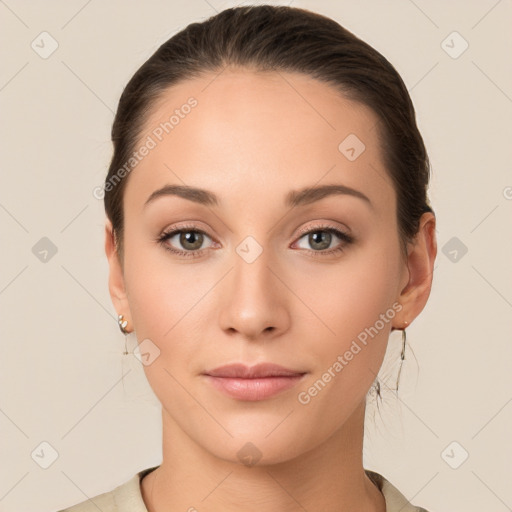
x=240 y=370
x=253 y=383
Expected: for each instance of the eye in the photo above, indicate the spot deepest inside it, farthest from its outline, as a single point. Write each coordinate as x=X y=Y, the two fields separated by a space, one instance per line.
x=190 y=239
x=322 y=238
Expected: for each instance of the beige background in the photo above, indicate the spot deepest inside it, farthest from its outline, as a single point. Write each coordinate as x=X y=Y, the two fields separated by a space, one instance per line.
x=60 y=364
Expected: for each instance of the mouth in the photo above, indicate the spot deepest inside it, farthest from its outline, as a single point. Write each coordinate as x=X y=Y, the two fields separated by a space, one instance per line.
x=253 y=383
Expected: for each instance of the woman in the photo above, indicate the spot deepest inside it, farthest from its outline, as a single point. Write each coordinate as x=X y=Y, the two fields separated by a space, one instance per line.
x=268 y=226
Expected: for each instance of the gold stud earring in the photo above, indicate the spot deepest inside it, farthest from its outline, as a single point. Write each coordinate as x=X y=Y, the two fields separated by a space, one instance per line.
x=122 y=324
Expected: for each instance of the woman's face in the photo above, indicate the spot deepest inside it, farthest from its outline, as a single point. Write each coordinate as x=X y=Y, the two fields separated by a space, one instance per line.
x=255 y=286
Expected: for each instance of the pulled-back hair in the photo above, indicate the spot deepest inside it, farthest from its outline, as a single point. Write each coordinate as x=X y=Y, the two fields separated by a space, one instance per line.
x=290 y=39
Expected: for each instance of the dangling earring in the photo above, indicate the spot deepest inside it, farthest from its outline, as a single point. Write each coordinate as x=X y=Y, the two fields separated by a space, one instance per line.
x=402 y=356
x=122 y=326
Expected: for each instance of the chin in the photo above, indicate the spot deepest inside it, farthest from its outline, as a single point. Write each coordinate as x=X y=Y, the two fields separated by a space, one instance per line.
x=252 y=446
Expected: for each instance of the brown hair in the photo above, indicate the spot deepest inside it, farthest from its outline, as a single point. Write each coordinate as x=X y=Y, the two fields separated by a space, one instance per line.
x=280 y=38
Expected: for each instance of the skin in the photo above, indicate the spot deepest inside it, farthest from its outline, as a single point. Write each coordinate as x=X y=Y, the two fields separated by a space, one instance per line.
x=251 y=139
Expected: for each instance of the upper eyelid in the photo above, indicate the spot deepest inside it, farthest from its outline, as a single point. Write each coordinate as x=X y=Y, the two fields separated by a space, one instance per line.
x=320 y=226
x=326 y=225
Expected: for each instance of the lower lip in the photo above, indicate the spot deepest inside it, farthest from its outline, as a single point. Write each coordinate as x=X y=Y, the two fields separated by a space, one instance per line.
x=254 y=389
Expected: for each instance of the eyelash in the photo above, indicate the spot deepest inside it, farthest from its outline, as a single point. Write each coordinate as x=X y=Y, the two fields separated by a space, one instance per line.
x=344 y=237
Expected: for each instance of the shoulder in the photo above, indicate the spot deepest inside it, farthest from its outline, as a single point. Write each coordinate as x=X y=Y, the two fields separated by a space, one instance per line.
x=395 y=500
x=104 y=502
x=126 y=497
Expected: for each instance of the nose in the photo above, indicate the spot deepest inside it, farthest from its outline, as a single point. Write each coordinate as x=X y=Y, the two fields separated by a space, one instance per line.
x=255 y=301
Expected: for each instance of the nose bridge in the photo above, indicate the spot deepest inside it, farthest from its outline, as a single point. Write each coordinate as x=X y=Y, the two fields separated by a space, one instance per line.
x=252 y=268
x=254 y=301
x=253 y=258
x=253 y=277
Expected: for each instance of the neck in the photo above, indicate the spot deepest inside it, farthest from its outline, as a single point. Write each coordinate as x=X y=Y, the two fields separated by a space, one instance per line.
x=328 y=478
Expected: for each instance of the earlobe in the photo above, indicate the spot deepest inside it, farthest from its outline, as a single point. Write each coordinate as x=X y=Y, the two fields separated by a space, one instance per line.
x=420 y=263
x=116 y=282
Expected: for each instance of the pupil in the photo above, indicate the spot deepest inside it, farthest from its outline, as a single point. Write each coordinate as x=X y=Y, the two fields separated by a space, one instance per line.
x=188 y=238
x=323 y=243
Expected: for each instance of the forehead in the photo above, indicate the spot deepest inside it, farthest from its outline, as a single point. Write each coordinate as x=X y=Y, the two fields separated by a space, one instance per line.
x=240 y=130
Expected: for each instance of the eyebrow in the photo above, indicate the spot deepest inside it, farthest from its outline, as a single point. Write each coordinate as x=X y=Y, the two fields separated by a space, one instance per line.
x=293 y=198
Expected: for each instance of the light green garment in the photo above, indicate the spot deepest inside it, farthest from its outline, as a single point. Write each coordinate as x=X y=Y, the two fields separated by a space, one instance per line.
x=128 y=498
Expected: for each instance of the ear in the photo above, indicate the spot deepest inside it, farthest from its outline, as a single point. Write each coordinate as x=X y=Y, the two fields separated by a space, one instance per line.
x=417 y=281
x=116 y=284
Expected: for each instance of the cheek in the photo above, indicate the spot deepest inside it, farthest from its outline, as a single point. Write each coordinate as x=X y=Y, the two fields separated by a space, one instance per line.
x=160 y=292
x=353 y=310
x=356 y=304
x=164 y=305
x=351 y=294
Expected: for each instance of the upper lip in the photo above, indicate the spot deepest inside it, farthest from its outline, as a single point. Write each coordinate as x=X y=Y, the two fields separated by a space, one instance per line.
x=250 y=372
